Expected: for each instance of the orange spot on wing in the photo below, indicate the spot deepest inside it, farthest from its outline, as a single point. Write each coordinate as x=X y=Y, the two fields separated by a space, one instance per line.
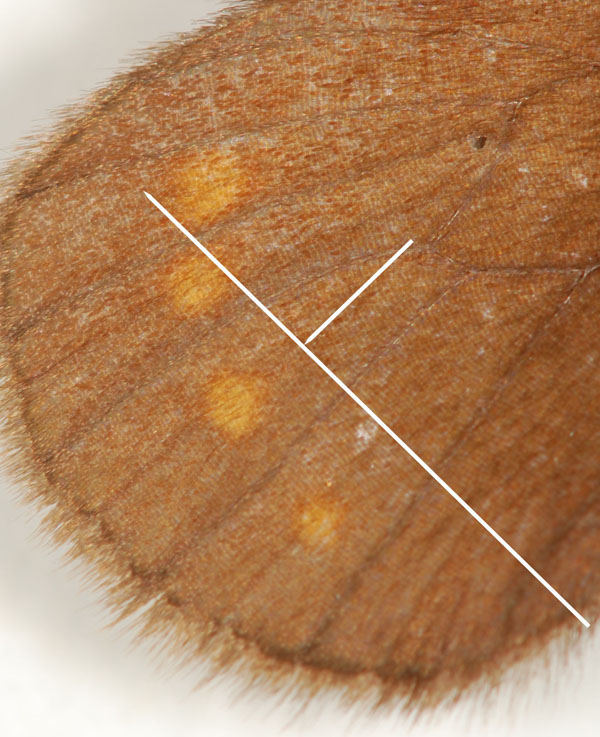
x=196 y=285
x=318 y=521
x=202 y=185
x=235 y=403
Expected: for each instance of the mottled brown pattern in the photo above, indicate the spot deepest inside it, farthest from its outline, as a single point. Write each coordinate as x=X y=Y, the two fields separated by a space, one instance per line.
x=201 y=460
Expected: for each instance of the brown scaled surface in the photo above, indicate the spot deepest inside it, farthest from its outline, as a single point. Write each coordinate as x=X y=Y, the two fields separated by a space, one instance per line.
x=201 y=459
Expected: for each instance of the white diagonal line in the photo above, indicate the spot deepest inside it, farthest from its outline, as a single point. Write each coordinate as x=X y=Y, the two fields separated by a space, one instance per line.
x=360 y=290
x=368 y=411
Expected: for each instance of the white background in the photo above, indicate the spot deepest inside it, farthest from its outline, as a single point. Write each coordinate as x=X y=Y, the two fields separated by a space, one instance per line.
x=62 y=671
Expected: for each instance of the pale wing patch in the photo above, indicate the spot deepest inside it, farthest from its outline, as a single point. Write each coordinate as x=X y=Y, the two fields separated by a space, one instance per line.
x=365 y=433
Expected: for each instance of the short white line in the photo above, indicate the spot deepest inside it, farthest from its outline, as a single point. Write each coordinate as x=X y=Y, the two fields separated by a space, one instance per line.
x=360 y=290
x=367 y=409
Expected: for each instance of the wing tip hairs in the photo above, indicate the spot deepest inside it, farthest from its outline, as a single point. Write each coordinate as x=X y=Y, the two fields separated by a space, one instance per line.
x=160 y=619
